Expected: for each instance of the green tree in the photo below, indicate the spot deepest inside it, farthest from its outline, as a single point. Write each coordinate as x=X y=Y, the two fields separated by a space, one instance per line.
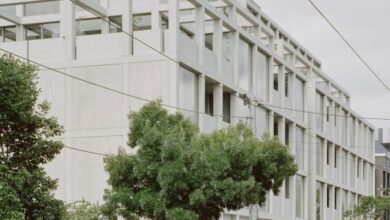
x=370 y=207
x=26 y=143
x=178 y=173
x=83 y=210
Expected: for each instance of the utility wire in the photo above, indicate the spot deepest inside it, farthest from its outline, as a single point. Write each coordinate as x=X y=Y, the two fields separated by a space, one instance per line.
x=349 y=45
x=114 y=90
x=177 y=62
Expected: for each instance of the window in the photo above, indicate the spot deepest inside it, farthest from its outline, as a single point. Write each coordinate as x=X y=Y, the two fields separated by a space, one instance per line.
x=142 y=22
x=261 y=122
x=335 y=197
x=88 y=27
x=384 y=180
x=42 y=8
x=287 y=187
x=300 y=152
x=319 y=155
x=209 y=99
x=286 y=85
x=287 y=134
x=344 y=167
x=245 y=64
x=336 y=155
x=336 y=110
x=300 y=202
x=328 y=111
x=328 y=190
x=262 y=76
x=115 y=24
x=226 y=107
x=8 y=34
x=276 y=82
x=42 y=31
x=299 y=98
x=358 y=168
x=319 y=111
x=209 y=41
x=318 y=201
x=352 y=171
x=328 y=150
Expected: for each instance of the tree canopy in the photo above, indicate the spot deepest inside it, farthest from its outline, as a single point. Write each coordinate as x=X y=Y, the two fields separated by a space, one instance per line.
x=370 y=207
x=178 y=173
x=26 y=143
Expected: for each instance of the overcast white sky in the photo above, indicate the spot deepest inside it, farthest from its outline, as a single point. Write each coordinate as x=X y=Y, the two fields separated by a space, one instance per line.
x=365 y=24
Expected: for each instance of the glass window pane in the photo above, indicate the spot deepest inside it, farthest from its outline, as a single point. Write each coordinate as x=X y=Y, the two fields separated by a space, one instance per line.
x=33 y=32
x=318 y=201
x=262 y=76
x=51 y=30
x=299 y=99
x=319 y=111
x=116 y=24
x=142 y=22
x=245 y=65
x=9 y=34
x=300 y=148
x=319 y=157
x=88 y=27
x=261 y=122
x=42 y=8
x=300 y=202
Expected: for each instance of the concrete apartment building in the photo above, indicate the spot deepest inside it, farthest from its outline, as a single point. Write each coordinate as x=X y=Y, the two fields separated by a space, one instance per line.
x=382 y=169
x=222 y=50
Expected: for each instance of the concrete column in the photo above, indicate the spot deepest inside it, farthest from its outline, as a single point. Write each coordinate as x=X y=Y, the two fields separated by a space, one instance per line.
x=67 y=28
x=127 y=26
x=281 y=78
x=310 y=106
x=105 y=25
x=20 y=31
x=200 y=32
x=201 y=100
x=253 y=72
x=233 y=108
x=271 y=123
x=235 y=57
x=281 y=129
x=174 y=26
x=217 y=44
x=292 y=93
x=156 y=25
x=270 y=79
x=218 y=103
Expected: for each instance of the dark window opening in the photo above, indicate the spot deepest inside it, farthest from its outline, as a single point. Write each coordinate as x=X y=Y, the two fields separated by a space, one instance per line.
x=226 y=107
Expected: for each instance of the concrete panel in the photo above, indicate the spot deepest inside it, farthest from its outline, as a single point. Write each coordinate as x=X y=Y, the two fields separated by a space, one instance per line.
x=88 y=174
x=94 y=107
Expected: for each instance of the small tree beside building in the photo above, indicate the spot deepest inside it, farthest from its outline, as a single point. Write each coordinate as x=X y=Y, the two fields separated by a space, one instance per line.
x=178 y=173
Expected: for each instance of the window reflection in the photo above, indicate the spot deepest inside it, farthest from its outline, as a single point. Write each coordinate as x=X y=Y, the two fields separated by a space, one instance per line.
x=42 y=31
x=142 y=22
x=115 y=24
x=8 y=34
x=88 y=27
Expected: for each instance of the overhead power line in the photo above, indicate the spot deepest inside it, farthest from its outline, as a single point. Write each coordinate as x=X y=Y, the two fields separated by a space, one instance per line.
x=371 y=70
x=177 y=62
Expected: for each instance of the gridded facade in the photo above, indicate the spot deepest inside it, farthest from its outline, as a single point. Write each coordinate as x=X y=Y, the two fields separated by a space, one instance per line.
x=223 y=49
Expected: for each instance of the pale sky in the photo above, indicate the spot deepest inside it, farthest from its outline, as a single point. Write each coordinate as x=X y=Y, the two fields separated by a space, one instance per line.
x=365 y=24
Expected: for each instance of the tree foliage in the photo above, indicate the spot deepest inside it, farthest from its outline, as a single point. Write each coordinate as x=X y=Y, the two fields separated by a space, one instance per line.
x=26 y=142
x=178 y=173
x=370 y=207
x=83 y=210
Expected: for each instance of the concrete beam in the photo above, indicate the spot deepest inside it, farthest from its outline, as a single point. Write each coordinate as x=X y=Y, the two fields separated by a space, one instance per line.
x=92 y=6
x=11 y=18
x=19 y=2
